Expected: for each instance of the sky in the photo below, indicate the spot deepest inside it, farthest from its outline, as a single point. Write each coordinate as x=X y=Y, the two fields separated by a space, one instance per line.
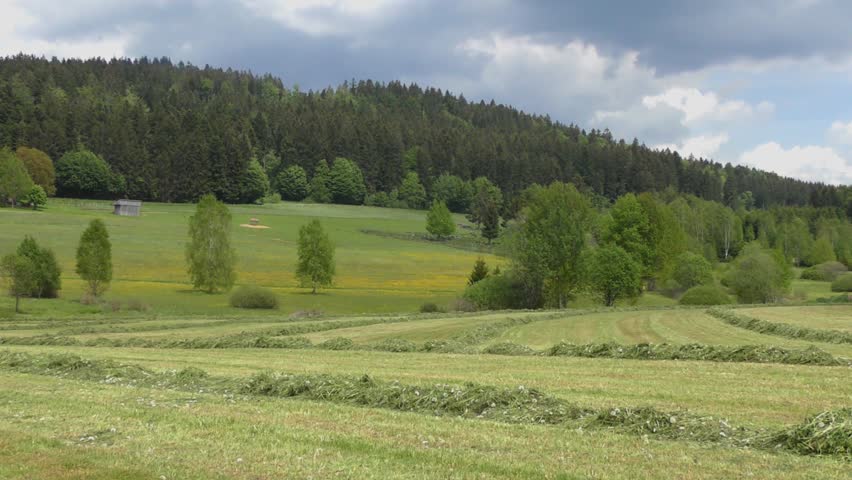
x=763 y=83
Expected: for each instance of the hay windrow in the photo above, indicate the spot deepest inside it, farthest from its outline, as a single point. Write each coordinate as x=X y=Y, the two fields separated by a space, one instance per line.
x=825 y=434
x=780 y=329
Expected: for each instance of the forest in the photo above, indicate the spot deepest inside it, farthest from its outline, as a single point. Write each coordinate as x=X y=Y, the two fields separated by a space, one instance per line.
x=173 y=132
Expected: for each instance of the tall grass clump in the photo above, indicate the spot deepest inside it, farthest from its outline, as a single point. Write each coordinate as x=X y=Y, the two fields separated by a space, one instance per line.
x=254 y=297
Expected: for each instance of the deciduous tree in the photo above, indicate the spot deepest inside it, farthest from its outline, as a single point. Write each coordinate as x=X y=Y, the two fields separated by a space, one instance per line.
x=94 y=258
x=316 y=266
x=210 y=257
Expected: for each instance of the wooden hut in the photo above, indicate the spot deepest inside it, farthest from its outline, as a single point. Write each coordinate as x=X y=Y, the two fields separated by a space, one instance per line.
x=127 y=208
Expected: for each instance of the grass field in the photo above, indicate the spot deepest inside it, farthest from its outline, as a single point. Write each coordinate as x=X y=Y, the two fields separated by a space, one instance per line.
x=814 y=317
x=55 y=424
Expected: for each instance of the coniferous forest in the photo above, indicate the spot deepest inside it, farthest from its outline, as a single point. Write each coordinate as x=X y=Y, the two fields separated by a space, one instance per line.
x=173 y=132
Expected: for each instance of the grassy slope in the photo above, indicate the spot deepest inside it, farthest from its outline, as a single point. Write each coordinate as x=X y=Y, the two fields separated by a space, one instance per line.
x=672 y=326
x=834 y=317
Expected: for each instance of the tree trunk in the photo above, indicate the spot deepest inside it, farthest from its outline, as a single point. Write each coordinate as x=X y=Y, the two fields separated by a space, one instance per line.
x=17 y=303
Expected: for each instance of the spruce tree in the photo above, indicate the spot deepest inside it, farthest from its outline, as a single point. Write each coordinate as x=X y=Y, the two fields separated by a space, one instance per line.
x=209 y=256
x=94 y=258
x=320 y=191
x=480 y=271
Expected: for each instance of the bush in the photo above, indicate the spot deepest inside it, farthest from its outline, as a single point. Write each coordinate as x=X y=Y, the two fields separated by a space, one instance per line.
x=463 y=305
x=705 y=295
x=36 y=198
x=842 y=284
x=430 y=307
x=497 y=292
x=824 y=272
x=137 y=305
x=691 y=270
x=254 y=297
x=272 y=199
x=759 y=275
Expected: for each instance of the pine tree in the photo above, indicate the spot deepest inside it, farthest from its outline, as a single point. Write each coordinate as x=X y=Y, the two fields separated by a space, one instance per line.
x=480 y=271
x=209 y=256
x=94 y=258
x=316 y=267
x=490 y=218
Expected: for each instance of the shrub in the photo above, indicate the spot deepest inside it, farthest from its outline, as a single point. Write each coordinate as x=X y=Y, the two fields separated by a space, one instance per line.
x=272 y=199
x=691 y=270
x=497 y=292
x=429 y=307
x=824 y=272
x=759 y=275
x=705 y=295
x=36 y=198
x=842 y=284
x=254 y=297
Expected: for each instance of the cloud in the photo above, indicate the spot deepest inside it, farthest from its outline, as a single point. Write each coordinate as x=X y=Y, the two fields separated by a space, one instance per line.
x=697 y=105
x=327 y=17
x=702 y=146
x=841 y=133
x=814 y=163
x=18 y=37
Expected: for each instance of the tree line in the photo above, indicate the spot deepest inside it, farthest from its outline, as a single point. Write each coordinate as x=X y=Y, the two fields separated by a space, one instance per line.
x=562 y=245
x=174 y=132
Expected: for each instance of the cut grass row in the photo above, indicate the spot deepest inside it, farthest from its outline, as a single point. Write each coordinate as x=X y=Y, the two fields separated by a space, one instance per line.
x=787 y=330
x=45 y=424
x=519 y=405
x=736 y=390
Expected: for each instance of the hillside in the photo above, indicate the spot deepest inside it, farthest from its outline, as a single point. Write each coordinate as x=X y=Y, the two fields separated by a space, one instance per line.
x=176 y=131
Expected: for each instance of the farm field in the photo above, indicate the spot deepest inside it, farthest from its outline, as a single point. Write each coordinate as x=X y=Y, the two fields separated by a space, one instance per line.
x=66 y=411
x=813 y=317
x=667 y=326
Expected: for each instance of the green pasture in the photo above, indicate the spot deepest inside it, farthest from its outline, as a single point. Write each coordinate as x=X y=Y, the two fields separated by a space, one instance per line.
x=678 y=326
x=375 y=274
x=836 y=317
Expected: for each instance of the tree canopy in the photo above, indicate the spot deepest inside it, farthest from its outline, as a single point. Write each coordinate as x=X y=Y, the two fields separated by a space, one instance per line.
x=316 y=267
x=94 y=258
x=210 y=257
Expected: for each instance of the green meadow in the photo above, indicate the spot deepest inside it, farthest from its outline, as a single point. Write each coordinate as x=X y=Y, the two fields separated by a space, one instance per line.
x=77 y=399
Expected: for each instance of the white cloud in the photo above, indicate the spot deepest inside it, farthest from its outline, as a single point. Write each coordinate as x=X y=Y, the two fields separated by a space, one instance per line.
x=325 y=17
x=697 y=105
x=701 y=146
x=841 y=133
x=814 y=163
x=16 y=38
